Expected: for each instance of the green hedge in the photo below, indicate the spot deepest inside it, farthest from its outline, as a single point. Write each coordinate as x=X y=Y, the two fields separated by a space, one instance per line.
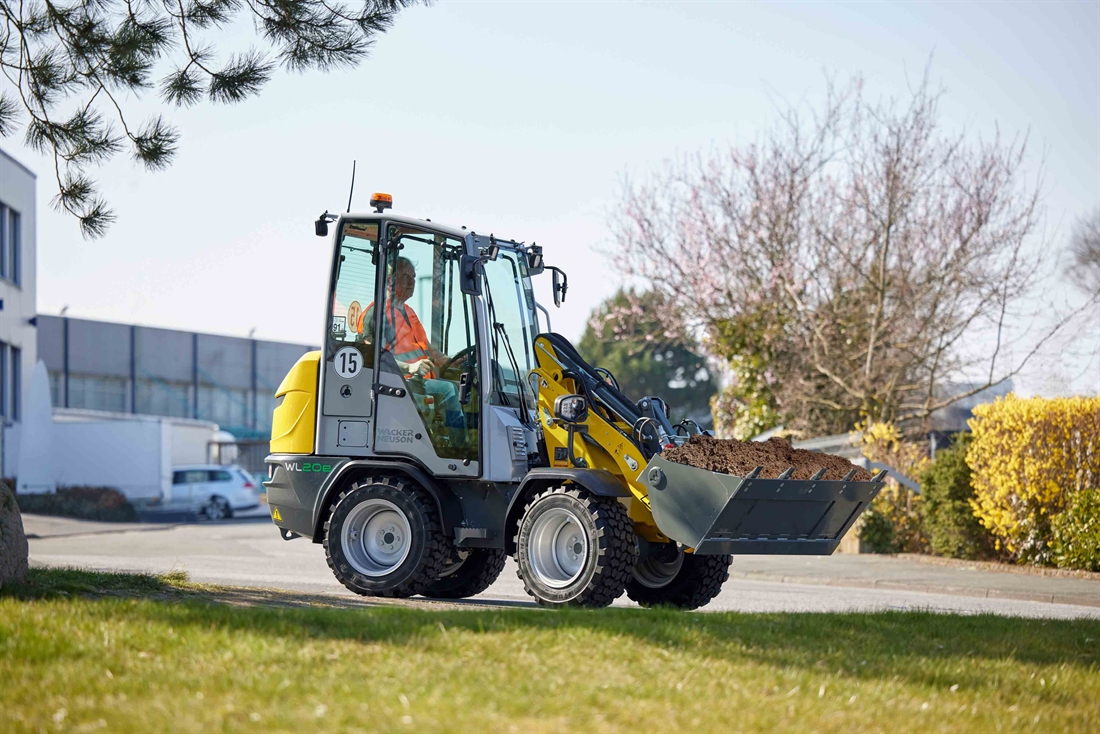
x=1076 y=541
x=105 y=504
x=949 y=521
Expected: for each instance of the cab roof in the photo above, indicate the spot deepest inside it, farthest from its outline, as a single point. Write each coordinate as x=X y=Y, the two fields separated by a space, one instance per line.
x=448 y=230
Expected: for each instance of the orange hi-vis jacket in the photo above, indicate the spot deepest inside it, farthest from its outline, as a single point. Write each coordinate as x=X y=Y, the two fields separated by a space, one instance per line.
x=402 y=334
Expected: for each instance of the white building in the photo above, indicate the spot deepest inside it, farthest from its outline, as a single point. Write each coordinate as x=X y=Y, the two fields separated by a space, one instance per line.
x=18 y=346
x=116 y=381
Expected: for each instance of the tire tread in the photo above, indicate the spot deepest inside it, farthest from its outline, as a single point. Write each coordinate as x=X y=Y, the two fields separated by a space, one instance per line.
x=436 y=543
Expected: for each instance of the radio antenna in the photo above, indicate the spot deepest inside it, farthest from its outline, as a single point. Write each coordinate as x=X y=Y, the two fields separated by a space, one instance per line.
x=352 y=185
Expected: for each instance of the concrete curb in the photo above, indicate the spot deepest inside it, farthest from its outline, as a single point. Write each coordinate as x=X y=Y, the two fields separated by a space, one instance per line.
x=1084 y=600
x=996 y=567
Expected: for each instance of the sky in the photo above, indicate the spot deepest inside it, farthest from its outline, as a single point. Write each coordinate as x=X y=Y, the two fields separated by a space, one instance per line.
x=525 y=119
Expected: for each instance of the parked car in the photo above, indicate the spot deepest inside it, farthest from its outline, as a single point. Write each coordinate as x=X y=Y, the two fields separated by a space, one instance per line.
x=213 y=491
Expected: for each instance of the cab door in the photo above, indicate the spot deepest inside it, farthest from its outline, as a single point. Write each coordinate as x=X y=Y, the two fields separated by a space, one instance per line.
x=348 y=364
x=427 y=386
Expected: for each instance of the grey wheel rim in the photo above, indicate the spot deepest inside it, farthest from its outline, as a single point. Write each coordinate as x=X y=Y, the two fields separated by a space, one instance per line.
x=216 y=509
x=557 y=548
x=656 y=574
x=376 y=537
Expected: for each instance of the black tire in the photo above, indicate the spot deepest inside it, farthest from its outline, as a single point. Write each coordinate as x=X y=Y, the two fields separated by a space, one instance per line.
x=217 y=508
x=469 y=573
x=427 y=546
x=606 y=540
x=698 y=580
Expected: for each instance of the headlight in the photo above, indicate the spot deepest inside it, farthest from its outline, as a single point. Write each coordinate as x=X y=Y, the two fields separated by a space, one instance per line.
x=571 y=408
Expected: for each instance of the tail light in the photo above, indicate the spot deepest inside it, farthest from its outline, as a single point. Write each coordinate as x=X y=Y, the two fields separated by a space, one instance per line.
x=249 y=485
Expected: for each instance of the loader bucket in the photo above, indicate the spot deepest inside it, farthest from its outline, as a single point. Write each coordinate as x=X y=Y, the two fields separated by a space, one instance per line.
x=719 y=514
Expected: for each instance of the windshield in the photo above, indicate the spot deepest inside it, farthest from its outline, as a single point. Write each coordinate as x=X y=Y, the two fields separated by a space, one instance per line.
x=512 y=323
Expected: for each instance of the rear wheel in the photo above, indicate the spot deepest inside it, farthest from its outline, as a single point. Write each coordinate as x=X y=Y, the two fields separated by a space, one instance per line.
x=671 y=577
x=384 y=538
x=217 y=509
x=468 y=573
x=575 y=548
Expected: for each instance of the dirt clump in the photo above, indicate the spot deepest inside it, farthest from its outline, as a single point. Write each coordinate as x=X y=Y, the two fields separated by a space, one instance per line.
x=776 y=455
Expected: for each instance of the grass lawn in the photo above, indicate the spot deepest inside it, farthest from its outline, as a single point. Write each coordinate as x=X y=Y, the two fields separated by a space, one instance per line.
x=83 y=652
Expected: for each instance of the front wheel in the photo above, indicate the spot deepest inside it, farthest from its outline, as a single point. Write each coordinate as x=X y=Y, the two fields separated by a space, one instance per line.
x=384 y=538
x=468 y=573
x=668 y=576
x=575 y=548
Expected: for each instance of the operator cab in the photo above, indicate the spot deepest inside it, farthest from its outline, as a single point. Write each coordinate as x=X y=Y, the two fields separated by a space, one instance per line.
x=429 y=337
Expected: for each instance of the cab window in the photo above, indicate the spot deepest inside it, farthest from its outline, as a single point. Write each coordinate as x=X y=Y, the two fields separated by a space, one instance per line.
x=512 y=320
x=354 y=292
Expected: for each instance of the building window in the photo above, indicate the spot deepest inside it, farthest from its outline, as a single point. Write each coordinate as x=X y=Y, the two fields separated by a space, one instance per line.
x=95 y=392
x=3 y=381
x=10 y=241
x=158 y=397
x=57 y=395
x=265 y=409
x=11 y=380
x=16 y=382
x=225 y=406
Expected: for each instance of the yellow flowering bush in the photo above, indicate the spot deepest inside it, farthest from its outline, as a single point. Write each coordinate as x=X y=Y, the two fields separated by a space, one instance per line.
x=893 y=522
x=1028 y=458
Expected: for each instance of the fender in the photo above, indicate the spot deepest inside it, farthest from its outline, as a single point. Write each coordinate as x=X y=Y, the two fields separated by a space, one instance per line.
x=450 y=509
x=597 y=481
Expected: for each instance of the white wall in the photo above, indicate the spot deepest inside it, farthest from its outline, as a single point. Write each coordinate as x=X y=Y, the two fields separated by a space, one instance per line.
x=17 y=190
x=126 y=456
x=189 y=443
x=134 y=454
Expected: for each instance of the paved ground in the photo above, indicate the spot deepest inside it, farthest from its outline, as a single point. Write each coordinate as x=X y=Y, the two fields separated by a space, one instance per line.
x=249 y=552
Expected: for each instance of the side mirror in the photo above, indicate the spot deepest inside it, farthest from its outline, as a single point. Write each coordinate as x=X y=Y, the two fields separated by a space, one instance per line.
x=320 y=227
x=469 y=277
x=561 y=285
x=571 y=408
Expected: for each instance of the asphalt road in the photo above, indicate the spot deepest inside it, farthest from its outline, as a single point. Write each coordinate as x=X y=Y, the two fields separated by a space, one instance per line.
x=249 y=552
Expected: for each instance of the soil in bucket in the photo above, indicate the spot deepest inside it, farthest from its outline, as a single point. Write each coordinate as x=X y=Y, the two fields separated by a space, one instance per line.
x=776 y=455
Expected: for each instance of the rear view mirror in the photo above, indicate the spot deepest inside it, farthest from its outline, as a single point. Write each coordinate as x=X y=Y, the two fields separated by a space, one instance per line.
x=469 y=277
x=320 y=227
x=561 y=285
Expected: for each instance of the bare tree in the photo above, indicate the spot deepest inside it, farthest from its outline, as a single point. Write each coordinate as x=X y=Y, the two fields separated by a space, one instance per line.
x=850 y=261
x=1084 y=247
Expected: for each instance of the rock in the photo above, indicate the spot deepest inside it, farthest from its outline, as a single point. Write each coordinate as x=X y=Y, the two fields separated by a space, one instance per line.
x=13 y=540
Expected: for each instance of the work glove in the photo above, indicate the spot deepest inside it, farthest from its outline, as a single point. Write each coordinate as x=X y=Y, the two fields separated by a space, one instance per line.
x=420 y=368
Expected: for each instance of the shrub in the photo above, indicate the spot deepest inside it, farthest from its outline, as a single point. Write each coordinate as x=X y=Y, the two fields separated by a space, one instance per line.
x=1077 y=533
x=948 y=518
x=892 y=524
x=85 y=503
x=877 y=531
x=1029 y=457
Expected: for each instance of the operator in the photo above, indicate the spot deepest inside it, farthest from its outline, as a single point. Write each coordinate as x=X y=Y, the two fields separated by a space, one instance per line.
x=403 y=336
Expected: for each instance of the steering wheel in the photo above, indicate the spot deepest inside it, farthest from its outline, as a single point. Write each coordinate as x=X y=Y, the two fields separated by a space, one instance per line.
x=462 y=355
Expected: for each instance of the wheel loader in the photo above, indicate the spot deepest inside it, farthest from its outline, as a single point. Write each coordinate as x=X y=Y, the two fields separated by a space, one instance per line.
x=444 y=427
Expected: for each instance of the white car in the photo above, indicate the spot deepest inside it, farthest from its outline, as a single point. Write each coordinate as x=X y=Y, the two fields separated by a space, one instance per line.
x=213 y=491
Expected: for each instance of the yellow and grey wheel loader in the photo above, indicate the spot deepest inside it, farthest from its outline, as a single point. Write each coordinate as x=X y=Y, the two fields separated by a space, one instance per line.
x=443 y=427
